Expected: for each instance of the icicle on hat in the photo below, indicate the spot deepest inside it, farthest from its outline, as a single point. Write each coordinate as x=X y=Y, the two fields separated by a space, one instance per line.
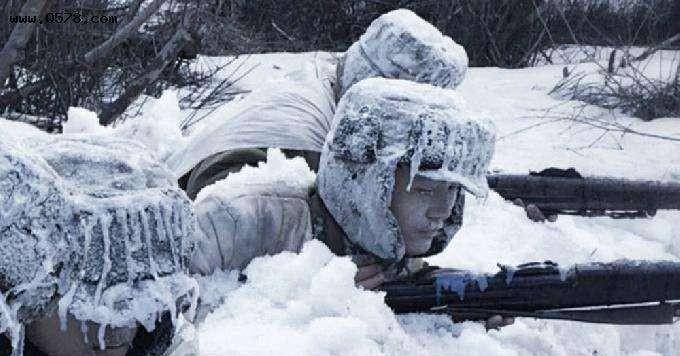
x=401 y=45
x=95 y=223
x=381 y=123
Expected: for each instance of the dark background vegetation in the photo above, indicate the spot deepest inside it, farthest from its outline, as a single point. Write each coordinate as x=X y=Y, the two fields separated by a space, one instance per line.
x=76 y=64
x=54 y=72
x=506 y=33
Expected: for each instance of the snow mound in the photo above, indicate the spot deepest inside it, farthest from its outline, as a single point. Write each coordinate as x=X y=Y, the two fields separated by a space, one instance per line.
x=307 y=304
x=215 y=286
x=81 y=120
x=158 y=127
x=496 y=231
x=13 y=130
x=277 y=173
x=303 y=304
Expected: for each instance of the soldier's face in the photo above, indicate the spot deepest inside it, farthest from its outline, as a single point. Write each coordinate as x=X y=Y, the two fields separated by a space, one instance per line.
x=46 y=335
x=421 y=211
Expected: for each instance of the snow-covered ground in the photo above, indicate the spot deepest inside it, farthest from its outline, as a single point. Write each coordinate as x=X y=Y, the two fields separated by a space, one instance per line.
x=307 y=304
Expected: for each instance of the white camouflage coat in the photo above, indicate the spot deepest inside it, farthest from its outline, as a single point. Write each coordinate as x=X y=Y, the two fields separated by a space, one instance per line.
x=252 y=213
x=262 y=211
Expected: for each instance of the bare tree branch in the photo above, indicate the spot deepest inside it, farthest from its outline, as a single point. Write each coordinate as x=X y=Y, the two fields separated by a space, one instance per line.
x=649 y=51
x=616 y=127
x=167 y=54
x=14 y=95
x=123 y=33
x=93 y=56
x=12 y=50
x=594 y=122
x=133 y=9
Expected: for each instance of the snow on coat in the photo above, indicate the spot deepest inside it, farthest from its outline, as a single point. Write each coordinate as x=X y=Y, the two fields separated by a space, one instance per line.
x=97 y=224
x=381 y=123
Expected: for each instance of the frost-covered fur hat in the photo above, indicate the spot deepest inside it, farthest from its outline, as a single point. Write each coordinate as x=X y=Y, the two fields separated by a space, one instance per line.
x=401 y=45
x=381 y=123
x=94 y=223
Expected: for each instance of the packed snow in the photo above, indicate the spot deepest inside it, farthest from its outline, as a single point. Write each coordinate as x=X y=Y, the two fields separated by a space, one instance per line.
x=81 y=120
x=307 y=304
x=277 y=172
x=157 y=127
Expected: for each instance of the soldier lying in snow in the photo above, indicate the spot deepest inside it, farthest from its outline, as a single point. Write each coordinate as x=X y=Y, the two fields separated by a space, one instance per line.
x=76 y=209
x=296 y=116
x=389 y=189
x=94 y=239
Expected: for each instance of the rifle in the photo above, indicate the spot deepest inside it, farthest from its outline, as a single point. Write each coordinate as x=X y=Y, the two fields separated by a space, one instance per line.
x=622 y=292
x=558 y=191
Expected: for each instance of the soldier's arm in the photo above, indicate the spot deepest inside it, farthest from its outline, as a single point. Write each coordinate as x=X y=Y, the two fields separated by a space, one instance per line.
x=212 y=227
x=232 y=231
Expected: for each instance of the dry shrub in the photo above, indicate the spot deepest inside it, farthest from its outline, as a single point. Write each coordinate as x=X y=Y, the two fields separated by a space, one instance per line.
x=627 y=89
x=51 y=76
x=505 y=33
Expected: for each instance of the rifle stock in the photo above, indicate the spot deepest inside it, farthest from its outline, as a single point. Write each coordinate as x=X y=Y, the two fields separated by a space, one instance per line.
x=621 y=292
x=557 y=191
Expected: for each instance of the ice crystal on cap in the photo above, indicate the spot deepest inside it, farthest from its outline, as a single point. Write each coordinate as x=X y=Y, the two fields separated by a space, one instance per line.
x=92 y=222
x=427 y=127
x=381 y=123
x=401 y=45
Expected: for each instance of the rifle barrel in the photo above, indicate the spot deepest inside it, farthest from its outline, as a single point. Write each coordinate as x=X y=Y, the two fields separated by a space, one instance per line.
x=574 y=194
x=540 y=287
